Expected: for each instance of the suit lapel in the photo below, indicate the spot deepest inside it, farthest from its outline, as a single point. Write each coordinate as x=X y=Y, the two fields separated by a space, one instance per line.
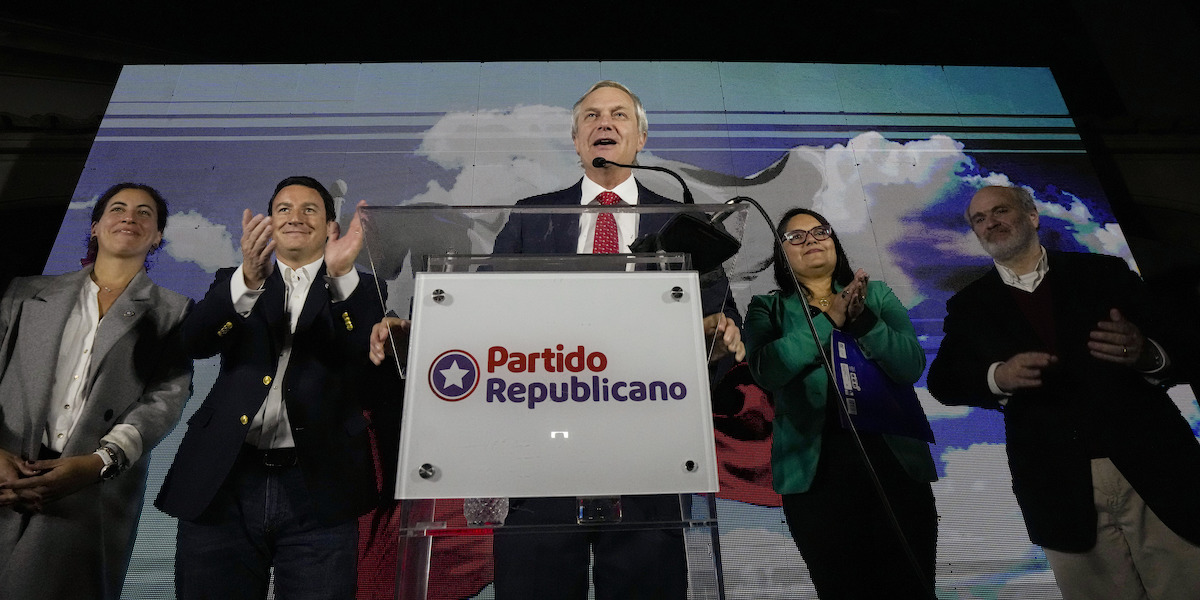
x=47 y=312
x=317 y=298
x=271 y=308
x=122 y=319
x=566 y=242
x=651 y=223
x=122 y=316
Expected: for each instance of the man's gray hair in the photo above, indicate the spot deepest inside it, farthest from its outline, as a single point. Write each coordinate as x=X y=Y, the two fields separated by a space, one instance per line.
x=639 y=110
x=1023 y=197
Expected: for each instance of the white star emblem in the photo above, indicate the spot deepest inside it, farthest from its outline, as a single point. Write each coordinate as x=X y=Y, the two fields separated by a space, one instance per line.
x=453 y=374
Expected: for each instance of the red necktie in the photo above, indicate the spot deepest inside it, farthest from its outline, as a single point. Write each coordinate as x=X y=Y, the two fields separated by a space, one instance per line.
x=605 y=241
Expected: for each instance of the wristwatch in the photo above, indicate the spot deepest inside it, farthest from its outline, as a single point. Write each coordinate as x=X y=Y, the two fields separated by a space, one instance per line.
x=112 y=462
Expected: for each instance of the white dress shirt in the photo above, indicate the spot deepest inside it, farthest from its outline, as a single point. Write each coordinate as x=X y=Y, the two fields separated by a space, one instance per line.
x=1027 y=282
x=627 y=222
x=271 y=427
x=72 y=385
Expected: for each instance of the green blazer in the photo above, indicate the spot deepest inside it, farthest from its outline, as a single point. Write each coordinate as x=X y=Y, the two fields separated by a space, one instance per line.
x=784 y=361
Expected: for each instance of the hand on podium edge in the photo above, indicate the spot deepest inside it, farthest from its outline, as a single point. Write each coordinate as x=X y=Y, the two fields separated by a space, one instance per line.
x=724 y=337
x=397 y=330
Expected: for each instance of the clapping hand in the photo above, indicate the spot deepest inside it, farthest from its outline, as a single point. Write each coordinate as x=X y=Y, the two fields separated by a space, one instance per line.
x=850 y=302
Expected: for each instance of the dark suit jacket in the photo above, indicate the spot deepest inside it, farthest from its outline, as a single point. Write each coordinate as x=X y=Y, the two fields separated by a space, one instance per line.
x=541 y=233
x=1085 y=407
x=328 y=380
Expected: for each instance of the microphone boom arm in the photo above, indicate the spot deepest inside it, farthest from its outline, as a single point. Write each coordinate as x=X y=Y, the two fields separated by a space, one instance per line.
x=600 y=162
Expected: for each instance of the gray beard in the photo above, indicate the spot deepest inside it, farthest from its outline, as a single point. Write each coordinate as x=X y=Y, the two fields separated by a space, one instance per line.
x=1023 y=237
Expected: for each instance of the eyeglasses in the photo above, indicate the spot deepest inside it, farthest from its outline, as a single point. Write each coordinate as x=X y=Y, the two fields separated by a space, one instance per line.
x=796 y=237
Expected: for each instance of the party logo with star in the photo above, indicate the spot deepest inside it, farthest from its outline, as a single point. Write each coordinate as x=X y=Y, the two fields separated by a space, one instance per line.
x=453 y=375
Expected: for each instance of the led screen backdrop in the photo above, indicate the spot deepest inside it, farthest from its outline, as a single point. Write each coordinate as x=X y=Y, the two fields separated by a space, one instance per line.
x=890 y=154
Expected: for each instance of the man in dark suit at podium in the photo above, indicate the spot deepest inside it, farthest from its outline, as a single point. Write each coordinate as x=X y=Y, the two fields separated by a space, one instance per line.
x=276 y=465
x=610 y=122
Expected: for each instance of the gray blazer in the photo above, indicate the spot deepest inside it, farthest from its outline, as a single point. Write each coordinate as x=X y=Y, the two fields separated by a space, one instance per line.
x=79 y=546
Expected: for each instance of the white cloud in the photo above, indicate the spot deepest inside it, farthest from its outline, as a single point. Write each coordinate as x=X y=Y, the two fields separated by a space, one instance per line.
x=501 y=155
x=1105 y=238
x=83 y=204
x=989 y=179
x=936 y=410
x=981 y=534
x=1185 y=399
x=873 y=184
x=192 y=237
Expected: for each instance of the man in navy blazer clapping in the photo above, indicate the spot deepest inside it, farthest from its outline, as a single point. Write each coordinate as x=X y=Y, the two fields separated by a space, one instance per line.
x=276 y=464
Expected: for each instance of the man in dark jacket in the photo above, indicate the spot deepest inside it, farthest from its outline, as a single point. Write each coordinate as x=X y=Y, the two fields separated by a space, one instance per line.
x=1069 y=347
x=276 y=464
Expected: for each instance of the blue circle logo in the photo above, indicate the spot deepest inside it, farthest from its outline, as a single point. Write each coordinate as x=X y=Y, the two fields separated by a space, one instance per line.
x=453 y=375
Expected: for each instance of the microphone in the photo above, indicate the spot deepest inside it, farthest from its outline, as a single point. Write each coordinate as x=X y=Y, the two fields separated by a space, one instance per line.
x=602 y=163
x=700 y=236
x=720 y=217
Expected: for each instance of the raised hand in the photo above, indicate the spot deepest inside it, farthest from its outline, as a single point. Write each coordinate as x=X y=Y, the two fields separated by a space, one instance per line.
x=849 y=303
x=340 y=251
x=257 y=247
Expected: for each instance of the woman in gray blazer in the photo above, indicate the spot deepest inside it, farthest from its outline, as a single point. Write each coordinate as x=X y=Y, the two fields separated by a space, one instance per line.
x=91 y=379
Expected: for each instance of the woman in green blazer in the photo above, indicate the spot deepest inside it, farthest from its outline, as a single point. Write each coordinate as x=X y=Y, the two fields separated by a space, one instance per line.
x=830 y=498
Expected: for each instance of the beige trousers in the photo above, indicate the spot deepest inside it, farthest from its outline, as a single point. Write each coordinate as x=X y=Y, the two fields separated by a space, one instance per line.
x=1136 y=556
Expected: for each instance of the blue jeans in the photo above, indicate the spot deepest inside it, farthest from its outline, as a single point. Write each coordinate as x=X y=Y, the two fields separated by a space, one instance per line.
x=262 y=517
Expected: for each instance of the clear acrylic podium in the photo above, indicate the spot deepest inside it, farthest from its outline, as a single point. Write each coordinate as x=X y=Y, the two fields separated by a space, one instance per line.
x=546 y=373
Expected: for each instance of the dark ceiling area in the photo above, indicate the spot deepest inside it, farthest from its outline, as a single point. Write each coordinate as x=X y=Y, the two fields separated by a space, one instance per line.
x=310 y=31
x=1130 y=72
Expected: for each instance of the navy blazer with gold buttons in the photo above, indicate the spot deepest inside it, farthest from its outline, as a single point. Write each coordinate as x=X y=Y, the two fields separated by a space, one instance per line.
x=328 y=381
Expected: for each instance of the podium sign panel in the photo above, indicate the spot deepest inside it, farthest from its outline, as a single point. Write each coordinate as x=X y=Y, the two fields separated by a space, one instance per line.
x=533 y=370
x=556 y=384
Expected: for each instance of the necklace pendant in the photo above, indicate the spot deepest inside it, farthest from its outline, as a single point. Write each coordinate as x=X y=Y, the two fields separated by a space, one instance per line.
x=824 y=302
